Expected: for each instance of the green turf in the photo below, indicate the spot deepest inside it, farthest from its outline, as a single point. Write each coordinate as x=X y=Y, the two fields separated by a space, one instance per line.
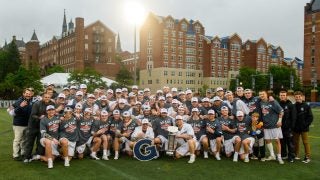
x=163 y=168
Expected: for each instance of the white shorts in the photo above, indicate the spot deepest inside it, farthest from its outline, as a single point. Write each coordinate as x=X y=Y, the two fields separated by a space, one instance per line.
x=198 y=143
x=54 y=147
x=228 y=144
x=250 y=146
x=80 y=149
x=71 y=146
x=183 y=147
x=126 y=143
x=213 y=145
x=275 y=133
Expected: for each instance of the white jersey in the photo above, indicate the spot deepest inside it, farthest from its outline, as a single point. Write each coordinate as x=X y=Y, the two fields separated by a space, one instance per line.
x=149 y=134
x=187 y=129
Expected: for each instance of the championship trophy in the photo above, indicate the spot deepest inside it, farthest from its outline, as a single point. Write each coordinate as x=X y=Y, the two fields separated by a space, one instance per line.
x=171 y=140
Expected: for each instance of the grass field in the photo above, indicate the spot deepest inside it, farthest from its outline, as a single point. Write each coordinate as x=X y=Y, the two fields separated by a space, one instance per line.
x=163 y=168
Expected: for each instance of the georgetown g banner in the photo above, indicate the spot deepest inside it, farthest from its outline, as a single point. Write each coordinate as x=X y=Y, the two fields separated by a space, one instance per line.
x=143 y=150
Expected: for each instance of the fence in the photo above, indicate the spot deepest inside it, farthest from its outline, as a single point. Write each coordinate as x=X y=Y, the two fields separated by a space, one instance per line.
x=6 y=103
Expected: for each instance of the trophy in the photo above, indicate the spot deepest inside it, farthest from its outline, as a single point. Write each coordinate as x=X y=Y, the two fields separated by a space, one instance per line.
x=171 y=140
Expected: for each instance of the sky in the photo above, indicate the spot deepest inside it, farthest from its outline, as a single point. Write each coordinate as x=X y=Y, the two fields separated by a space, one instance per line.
x=279 y=22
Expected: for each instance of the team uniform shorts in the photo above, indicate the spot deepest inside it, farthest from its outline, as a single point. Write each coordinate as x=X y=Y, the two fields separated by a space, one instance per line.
x=71 y=146
x=183 y=147
x=228 y=144
x=164 y=141
x=198 y=143
x=126 y=143
x=252 y=140
x=80 y=149
x=275 y=133
x=54 y=147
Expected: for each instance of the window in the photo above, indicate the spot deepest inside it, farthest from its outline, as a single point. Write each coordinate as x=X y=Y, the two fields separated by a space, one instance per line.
x=86 y=46
x=198 y=28
x=173 y=73
x=184 y=26
x=149 y=81
x=109 y=49
x=248 y=47
x=86 y=36
x=165 y=73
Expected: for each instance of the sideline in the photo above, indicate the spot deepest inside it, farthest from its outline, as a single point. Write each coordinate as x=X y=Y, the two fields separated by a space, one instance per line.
x=316 y=137
x=126 y=176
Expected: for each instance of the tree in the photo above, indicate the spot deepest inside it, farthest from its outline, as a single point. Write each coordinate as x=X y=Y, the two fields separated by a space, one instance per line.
x=124 y=77
x=9 y=60
x=54 y=69
x=13 y=84
x=203 y=90
x=88 y=76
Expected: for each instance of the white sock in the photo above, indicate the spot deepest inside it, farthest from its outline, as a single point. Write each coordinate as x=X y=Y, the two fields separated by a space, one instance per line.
x=116 y=153
x=235 y=154
x=49 y=159
x=93 y=153
x=279 y=156
x=108 y=152
x=104 y=152
x=66 y=158
x=270 y=148
x=247 y=156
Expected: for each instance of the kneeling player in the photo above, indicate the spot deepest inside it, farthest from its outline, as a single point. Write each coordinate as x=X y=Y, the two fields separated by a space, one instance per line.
x=68 y=135
x=185 y=139
x=49 y=129
x=214 y=133
x=142 y=132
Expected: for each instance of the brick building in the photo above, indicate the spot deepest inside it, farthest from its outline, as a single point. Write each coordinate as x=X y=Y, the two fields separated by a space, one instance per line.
x=311 y=43
x=81 y=46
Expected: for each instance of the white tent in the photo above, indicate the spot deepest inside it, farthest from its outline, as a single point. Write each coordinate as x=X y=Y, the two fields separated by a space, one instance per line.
x=61 y=79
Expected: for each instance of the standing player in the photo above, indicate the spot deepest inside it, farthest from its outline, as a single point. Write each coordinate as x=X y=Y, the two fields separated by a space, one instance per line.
x=68 y=135
x=199 y=128
x=186 y=140
x=272 y=120
x=214 y=134
x=49 y=129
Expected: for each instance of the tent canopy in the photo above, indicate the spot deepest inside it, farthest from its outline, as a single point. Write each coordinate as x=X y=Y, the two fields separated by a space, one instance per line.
x=61 y=79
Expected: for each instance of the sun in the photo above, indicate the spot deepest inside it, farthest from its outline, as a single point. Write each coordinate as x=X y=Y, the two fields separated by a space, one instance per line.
x=135 y=12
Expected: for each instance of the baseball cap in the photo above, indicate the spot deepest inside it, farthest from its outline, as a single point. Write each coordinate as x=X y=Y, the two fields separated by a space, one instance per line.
x=169 y=95
x=73 y=87
x=175 y=101
x=146 y=108
x=50 y=107
x=229 y=93
x=174 y=89
x=124 y=90
x=83 y=86
x=65 y=88
x=134 y=87
x=163 y=110
x=216 y=98
x=194 y=99
x=103 y=97
x=122 y=101
x=50 y=84
x=188 y=91
x=181 y=92
x=88 y=110
x=224 y=108
x=247 y=90
x=138 y=102
x=78 y=106
x=240 y=113
x=145 y=121
x=161 y=98
x=61 y=95
x=91 y=96
x=211 y=111
x=140 y=92
x=116 y=111
x=79 y=93
x=219 y=89
x=132 y=94
x=110 y=91
x=126 y=114
x=208 y=90
x=179 y=117
x=146 y=90
x=159 y=91
x=181 y=107
x=195 y=110
x=239 y=88
x=68 y=109
x=104 y=113
x=118 y=90
x=205 y=99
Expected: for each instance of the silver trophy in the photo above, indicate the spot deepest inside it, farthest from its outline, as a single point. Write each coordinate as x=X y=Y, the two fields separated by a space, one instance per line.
x=171 y=140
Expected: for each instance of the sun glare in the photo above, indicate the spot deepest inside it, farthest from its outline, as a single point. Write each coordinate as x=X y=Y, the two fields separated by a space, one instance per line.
x=135 y=12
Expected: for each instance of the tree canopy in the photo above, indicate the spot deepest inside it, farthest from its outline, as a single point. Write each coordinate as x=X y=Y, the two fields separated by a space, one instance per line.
x=88 y=76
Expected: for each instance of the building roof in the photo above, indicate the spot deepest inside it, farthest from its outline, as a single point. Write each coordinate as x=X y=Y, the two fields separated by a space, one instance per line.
x=20 y=43
x=34 y=36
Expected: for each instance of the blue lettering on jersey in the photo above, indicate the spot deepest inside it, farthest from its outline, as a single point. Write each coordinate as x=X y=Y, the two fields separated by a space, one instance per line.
x=144 y=151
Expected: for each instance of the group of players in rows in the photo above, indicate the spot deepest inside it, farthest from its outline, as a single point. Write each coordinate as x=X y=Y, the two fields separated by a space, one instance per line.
x=237 y=125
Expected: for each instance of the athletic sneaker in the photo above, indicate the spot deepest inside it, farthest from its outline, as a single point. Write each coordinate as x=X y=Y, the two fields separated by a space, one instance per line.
x=35 y=157
x=263 y=159
x=235 y=158
x=105 y=157
x=50 y=163
x=217 y=157
x=66 y=162
x=246 y=160
x=285 y=157
x=192 y=159
x=306 y=160
x=205 y=155
x=93 y=156
x=271 y=158
x=280 y=161
x=254 y=157
x=297 y=158
x=116 y=157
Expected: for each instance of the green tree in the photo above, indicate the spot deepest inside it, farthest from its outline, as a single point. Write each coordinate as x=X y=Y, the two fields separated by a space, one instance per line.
x=124 y=77
x=203 y=90
x=9 y=60
x=13 y=84
x=89 y=76
x=54 y=69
